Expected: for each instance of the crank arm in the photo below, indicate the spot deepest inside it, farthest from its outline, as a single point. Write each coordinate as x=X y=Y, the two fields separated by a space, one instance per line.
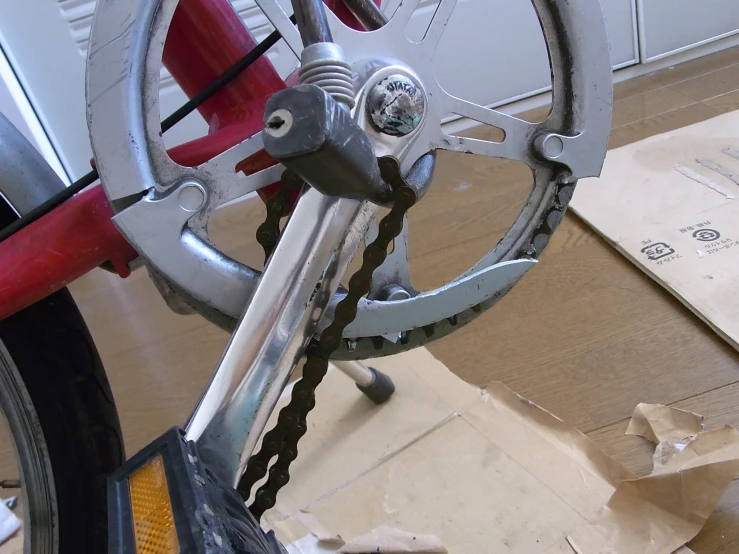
x=302 y=275
x=327 y=149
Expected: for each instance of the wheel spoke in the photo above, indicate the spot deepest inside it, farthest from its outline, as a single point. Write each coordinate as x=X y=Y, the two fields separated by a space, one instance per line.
x=516 y=144
x=280 y=21
x=439 y=22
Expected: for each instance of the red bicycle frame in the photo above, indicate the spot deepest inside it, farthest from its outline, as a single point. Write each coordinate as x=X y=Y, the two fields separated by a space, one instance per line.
x=206 y=37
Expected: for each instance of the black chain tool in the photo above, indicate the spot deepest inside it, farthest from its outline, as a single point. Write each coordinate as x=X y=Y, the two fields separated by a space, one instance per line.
x=282 y=440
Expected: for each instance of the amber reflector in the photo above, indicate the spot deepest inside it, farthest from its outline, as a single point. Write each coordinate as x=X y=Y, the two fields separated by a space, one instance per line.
x=151 y=510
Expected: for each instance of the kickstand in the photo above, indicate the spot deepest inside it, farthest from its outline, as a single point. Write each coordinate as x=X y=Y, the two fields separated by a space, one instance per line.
x=376 y=386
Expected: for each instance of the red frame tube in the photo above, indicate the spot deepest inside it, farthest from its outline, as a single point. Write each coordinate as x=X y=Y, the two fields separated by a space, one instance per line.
x=204 y=40
x=206 y=37
x=59 y=248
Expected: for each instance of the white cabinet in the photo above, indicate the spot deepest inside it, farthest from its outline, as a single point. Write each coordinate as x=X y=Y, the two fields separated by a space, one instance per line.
x=15 y=107
x=52 y=74
x=46 y=43
x=620 y=18
x=671 y=26
x=493 y=51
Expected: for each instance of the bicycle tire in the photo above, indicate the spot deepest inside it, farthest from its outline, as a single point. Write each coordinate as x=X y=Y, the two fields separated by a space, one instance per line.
x=49 y=360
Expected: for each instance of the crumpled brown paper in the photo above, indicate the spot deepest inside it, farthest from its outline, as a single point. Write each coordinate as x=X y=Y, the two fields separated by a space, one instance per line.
x=389 y=540
x=659 y=423
x=663 y=511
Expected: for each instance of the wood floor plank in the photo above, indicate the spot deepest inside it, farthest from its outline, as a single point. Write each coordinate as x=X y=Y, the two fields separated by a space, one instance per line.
x=590 y=358
x=720 y=82
x=725 y=102
x=662 y=123
x=438 y=267
x=719 y=406
x=703 y=66
x=635 y=86
x=648 y=104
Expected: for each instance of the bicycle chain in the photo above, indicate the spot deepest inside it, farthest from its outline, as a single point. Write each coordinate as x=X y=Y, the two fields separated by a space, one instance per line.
x=282 y=440
x=278 y=206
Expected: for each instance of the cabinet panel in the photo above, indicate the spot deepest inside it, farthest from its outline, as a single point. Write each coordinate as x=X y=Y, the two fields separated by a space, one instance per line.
x=669 y=26
x=620 y=18
x=492 y=53
x=52 y=73
x=493 y=50
x=77 y=16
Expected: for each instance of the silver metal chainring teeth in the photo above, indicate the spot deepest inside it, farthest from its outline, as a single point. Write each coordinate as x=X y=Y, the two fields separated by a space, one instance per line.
x=401 y=106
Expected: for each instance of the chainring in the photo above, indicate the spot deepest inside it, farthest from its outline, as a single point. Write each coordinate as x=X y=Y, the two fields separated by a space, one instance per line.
x=147 y=187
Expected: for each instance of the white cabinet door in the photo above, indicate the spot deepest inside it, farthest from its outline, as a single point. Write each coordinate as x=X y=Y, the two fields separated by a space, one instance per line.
x=15 y=106
x=39 y=46
x=623 y=32
x=670 y=26
x=492 y=53
x=46 y=43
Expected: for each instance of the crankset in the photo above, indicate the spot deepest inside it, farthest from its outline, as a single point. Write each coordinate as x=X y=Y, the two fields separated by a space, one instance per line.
x=164 y=207
x=359 y=133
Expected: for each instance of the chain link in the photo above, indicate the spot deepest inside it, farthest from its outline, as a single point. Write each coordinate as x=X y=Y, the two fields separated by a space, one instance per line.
x=278 y=206
x=282 y=440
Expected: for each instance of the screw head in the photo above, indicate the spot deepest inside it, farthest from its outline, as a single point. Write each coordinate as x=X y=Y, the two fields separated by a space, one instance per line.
x=191 y=197
x=549 y=146
x=396 y=105
x=393 y=293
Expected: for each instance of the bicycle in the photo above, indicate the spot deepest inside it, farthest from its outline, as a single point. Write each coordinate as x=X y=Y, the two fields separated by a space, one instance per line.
x=356 y=130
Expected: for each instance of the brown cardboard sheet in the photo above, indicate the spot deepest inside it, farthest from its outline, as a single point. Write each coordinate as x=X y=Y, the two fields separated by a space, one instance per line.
x=488 y=471
x=670 y=204
x=389 y=540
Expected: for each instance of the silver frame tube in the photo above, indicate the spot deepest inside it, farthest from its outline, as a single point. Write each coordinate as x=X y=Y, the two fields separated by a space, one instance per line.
x=357 y=372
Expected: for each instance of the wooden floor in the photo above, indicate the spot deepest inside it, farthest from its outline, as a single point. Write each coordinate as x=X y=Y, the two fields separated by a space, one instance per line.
x=585 y=334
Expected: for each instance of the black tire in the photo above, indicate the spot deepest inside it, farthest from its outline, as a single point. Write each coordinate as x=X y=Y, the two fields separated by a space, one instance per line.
x=48 y=355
